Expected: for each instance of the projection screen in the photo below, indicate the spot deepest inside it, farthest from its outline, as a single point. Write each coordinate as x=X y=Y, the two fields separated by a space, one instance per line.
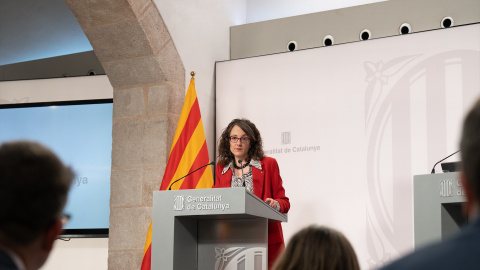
x=351 y=124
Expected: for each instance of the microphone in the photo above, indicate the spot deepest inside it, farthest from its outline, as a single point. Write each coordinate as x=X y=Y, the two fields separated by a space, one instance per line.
x=211 y=163
x=241 y=168
x=433 y=169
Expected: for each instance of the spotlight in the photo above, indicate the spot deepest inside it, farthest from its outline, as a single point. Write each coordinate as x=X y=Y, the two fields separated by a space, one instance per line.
x=446 y=22
x=365 y=34
x=405 y=28
x=328 y=40
x=292 y=45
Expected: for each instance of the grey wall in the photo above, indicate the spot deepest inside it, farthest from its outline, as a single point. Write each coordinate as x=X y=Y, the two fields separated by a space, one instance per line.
x=32 y=30
x=345 y=25
x=72 y=65
x=39 y=34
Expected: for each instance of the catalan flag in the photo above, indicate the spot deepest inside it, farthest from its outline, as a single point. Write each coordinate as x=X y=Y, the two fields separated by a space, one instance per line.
x=189 y=152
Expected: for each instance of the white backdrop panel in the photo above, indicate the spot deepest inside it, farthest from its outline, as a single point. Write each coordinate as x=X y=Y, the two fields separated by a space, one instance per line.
x=351 y=124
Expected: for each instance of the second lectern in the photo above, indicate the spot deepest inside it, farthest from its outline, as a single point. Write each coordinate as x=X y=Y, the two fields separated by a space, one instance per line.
x=210 y=229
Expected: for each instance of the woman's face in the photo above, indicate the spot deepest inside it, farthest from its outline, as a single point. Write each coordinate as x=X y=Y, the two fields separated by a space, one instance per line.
x=239 y=148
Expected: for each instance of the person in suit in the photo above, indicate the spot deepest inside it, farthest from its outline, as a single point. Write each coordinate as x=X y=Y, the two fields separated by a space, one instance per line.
x=242 y=163
x=319 y=248
x=34 y=185
x=461 y=251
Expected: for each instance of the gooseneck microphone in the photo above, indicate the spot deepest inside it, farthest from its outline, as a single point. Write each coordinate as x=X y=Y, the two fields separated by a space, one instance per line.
x=211 y=163
x=433 y=169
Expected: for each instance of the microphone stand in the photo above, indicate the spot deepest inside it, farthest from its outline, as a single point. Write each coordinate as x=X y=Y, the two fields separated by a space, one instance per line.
x=433 y=169
x=170 y=187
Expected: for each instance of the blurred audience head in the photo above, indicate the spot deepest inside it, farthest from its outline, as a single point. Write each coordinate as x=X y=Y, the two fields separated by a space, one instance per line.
x=318 y=248
x=34 y=185
x=470 y=153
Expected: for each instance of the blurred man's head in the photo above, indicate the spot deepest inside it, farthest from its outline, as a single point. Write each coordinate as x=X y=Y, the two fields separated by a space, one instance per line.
x=470 y=152
x=34 y=185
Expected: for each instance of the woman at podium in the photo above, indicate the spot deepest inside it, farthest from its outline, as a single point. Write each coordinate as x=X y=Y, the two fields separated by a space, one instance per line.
x=242 y=163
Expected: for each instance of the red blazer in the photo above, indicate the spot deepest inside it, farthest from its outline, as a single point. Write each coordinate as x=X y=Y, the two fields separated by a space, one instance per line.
x=267 y=183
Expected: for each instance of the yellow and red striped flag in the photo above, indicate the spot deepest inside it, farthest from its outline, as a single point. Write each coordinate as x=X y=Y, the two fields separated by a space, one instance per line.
x=189 y=151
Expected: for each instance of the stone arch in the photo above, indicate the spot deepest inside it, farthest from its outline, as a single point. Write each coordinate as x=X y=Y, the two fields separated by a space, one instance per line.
x=139 y=57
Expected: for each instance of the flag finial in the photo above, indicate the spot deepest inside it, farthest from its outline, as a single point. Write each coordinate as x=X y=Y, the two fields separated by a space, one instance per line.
x=193 y=74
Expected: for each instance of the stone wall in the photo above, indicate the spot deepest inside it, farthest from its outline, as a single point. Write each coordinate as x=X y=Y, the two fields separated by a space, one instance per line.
x=141 y=61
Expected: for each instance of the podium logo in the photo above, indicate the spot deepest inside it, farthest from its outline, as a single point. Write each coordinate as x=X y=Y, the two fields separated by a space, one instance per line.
x=178 y=203
x=446 y=188
x=236 y=258
x=286 y=137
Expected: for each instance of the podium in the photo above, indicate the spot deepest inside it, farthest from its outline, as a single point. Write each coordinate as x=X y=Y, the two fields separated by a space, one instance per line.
x=206 y=229
x=437 y=206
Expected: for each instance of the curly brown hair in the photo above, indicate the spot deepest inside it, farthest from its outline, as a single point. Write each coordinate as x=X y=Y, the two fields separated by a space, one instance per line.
x=225 y=156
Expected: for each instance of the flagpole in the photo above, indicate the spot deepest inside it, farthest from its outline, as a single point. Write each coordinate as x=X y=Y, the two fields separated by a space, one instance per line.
x=195 y=152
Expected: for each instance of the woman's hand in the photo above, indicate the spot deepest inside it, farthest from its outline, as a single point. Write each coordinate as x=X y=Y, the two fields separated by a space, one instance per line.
x=273 y=203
